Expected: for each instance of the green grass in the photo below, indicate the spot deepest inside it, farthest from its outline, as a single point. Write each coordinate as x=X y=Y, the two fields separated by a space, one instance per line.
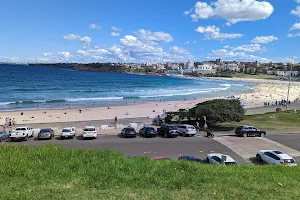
x=285 y=120
x=258 y=76
x=51 y=172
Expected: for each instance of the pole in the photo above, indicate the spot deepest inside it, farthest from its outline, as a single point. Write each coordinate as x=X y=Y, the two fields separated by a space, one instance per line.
x=288 y=92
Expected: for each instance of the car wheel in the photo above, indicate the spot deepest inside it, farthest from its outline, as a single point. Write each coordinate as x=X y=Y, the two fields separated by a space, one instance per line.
x=26 y=138
x=72 y=136
x=258 y=157
x=166 y=135
x=262 y=135
x=207 y=160
x=184 y=135
x=62 y=137
x=245 y=135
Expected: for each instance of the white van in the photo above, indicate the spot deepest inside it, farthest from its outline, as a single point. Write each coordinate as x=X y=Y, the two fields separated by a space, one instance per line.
x=186 y=130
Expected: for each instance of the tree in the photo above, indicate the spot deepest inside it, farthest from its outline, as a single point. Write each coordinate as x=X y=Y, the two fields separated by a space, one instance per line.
x=219 y=110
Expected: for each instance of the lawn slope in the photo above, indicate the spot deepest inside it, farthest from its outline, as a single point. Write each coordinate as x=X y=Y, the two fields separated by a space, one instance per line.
x=51 y=172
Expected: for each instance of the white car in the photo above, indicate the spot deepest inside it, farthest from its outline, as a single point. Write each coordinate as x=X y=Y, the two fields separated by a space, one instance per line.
x=89 y=132
x=22 y=133
x=68 y=132
x=220 y=159
x=186 y=130
x=275 y=157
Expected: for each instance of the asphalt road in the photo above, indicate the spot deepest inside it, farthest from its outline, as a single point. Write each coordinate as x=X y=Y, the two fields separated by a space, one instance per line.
x=290 y=140
x=171 y=147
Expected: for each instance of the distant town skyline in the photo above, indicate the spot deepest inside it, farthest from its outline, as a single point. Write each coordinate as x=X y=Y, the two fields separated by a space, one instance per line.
x=143 y=31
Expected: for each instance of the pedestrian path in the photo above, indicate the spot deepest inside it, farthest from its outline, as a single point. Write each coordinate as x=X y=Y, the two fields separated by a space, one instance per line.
x=247 y=147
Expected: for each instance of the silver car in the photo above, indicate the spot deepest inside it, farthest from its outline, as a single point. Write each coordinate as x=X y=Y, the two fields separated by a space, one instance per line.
x=3 y=136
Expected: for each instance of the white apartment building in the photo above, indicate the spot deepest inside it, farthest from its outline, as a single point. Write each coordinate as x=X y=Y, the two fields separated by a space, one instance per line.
x=206 y=69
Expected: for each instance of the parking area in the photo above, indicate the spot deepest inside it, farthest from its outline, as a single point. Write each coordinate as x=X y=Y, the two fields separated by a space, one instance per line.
x=198 y=146
x=247 y=147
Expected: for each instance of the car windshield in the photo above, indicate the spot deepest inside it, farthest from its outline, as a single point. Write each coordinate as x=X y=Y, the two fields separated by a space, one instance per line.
x=230 y=163
x=150 y=129
x=129 y=129
x=45 y=130
x=20 y=129
x=89 y=129
x=278 y=152
x=66 y=130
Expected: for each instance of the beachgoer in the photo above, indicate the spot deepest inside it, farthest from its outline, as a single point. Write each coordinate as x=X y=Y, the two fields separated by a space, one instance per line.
x=197 y=126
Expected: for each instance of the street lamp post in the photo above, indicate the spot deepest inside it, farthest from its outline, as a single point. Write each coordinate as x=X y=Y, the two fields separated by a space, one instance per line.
x=288 y=92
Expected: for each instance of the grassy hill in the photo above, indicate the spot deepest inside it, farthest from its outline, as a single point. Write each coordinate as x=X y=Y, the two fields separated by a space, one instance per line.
x=51 y=172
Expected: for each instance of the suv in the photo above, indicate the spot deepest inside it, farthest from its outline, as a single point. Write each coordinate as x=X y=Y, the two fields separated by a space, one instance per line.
x=186 y=130
x=22 y=133
x=89 y=132
x=147 y=132
x=245 y=131
x=168 y=130
x=68 y=132
x=128 y=132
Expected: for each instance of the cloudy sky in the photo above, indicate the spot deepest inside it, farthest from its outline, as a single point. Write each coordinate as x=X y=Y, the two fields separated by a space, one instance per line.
x=149 y=30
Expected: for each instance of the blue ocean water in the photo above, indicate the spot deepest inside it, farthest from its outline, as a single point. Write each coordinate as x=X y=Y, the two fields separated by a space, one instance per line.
x=32 y=87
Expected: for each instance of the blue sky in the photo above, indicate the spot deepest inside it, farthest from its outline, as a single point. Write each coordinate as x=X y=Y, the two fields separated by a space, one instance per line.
x=149 y=30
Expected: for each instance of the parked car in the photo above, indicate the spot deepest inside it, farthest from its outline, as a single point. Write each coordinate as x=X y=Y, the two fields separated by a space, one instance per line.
x=89 y=132
x=128 y=132
x=46 y=133
x=190 y=158
x=68 y=132
x=220 y=159
x=168 y=130
x=161 y=158
x=186 y=130
x=275 y=157
x=3 y=136
x=22 y=133
x=246 y=131
x=147 y=132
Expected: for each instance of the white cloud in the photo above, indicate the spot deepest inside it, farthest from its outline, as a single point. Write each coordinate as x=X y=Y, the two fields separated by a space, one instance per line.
x=294 y=35
x=250 y=48
x=85 y=40
x=178 y=50
x=295 y=26
x=264 y=39
x=9 y=58
x=95 y=26
x=195 y=42
x=297 y=1
x=296 y=11
x=149 y=36
x=237 y=56
x=226 y=46
x=115 y=29
x=213 y=32
x=233 y=10
x=115 y=34
x=187 y=42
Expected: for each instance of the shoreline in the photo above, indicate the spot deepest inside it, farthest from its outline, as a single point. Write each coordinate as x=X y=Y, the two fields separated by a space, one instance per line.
x=264 y=91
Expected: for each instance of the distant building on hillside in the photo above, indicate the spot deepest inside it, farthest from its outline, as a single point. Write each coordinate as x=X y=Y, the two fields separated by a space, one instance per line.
x=189 y=65
x=206 y=69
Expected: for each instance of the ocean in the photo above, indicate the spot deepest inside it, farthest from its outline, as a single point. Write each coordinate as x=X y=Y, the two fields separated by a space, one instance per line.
x=33 y=87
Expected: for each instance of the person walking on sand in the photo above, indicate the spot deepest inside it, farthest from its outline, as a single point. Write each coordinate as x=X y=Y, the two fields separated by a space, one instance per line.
x=115 y=122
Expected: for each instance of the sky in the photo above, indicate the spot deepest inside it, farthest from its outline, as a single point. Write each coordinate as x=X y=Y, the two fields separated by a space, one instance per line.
x=149 y=30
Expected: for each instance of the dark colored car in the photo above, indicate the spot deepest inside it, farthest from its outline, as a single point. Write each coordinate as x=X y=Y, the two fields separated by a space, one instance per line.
x=246 y=131
x=190 y=158
x=3 y=136
x=147 y=132
x=46 y=133
x=167 y=130
x=128 y=132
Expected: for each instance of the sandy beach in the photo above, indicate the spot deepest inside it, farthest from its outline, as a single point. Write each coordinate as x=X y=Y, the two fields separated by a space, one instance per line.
x=264 y=91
